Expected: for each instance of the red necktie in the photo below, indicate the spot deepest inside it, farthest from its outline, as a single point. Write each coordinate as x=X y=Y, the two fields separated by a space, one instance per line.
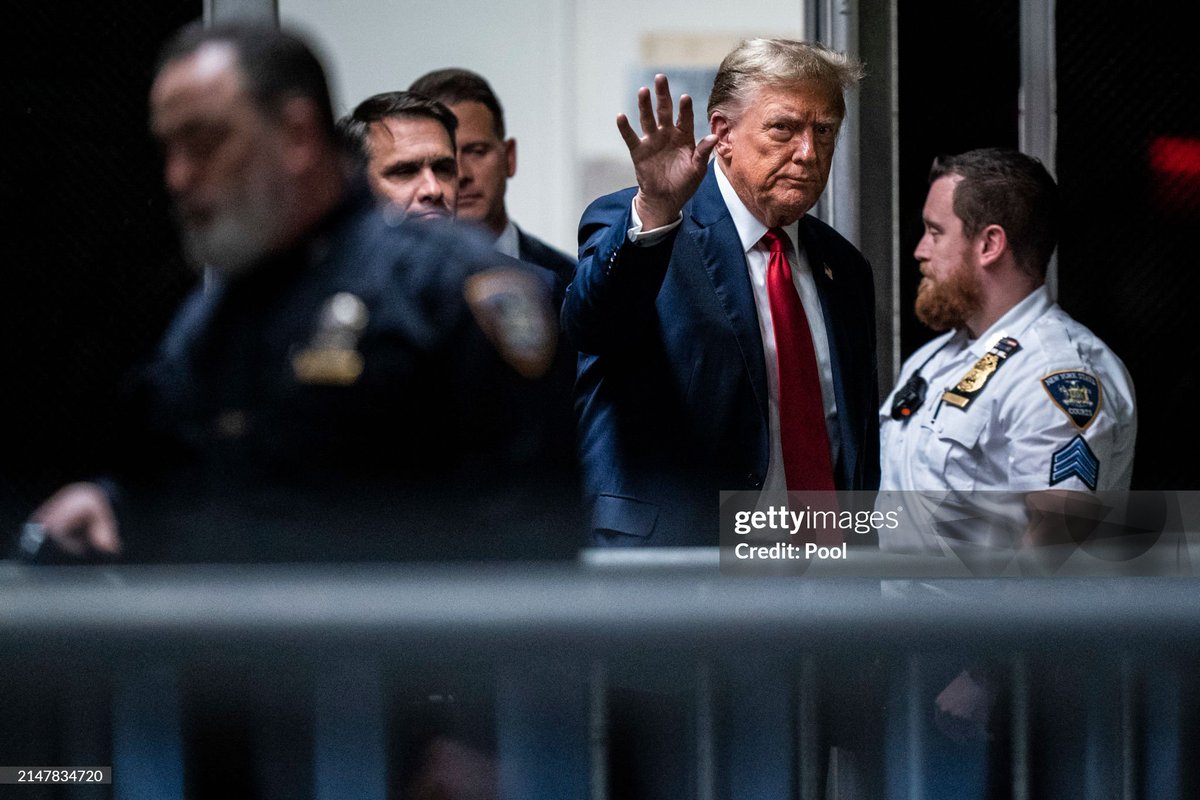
x=806 y=460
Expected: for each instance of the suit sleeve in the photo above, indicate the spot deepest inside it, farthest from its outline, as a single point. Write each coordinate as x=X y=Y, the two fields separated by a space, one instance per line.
x=610 y=304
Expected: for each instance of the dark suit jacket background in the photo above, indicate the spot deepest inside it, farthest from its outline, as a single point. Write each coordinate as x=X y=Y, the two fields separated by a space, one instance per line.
x=556 y=408
x=672 y=385
x=533 y=250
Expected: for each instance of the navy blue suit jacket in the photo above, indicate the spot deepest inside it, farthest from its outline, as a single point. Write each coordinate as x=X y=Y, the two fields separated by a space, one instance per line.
x=671 y=391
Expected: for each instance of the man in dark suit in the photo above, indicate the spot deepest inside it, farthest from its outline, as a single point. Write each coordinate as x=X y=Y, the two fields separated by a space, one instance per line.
x=404 y=143
x=727 y=338
x=486 y=160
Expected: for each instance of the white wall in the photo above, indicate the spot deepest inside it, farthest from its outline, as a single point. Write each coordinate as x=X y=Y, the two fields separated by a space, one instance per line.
x=618 y=40
x=563 y=69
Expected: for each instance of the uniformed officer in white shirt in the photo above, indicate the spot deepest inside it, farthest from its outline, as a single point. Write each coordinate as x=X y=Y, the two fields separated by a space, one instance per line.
x=1016 y=396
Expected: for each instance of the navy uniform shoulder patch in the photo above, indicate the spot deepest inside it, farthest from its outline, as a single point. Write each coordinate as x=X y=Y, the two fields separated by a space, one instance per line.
x=1076 y=460
x=1077 y=393
x=513 y=309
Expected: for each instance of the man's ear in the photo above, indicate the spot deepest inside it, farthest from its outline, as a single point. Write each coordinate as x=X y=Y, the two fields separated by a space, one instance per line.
x=300 y=133
x=722 y=126
x=510 y=156
x=992 y=244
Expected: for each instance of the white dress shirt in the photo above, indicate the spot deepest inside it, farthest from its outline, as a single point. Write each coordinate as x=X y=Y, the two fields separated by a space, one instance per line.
x=509 y=241
x=757 y=254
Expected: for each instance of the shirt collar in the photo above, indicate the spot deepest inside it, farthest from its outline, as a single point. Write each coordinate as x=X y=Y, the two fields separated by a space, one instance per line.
x=1015 y=321
x=508 y=242
x=750 y=229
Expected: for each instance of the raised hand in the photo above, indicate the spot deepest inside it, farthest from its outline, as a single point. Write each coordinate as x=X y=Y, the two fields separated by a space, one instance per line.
x=667 y=159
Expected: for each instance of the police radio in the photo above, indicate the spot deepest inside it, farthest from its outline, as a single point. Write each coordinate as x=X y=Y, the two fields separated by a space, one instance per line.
x=909 y=397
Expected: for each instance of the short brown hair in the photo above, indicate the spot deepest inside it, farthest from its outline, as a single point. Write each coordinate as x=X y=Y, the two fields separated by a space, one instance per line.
x=378 y=107
x=1005 y=187
x=456 y=85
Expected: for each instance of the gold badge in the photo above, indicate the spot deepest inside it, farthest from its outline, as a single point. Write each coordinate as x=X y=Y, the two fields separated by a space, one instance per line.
x=513 y=310
x=974 y=380
x=977 y=377
x=332 y=357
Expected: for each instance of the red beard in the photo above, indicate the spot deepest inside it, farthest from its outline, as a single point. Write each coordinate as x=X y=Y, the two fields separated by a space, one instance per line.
x=945 y=304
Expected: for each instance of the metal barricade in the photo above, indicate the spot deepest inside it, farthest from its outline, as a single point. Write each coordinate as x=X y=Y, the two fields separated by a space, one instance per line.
x=599 y=680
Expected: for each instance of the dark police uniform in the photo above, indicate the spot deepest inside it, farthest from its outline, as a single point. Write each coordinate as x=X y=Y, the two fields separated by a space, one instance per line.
x=559 y=398
x=362 y=395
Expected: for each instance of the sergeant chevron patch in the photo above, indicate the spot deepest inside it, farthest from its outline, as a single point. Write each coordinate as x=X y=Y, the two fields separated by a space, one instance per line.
x=1075 y=460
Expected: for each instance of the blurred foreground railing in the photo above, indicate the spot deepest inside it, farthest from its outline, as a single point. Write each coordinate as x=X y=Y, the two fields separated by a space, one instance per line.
x=613 y=677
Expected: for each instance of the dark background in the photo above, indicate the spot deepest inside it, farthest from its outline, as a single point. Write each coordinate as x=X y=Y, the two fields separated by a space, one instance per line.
x=1127 y=76
x=92 y=272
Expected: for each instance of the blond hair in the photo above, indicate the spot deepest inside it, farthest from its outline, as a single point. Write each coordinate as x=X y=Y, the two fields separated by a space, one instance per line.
x=770 y=62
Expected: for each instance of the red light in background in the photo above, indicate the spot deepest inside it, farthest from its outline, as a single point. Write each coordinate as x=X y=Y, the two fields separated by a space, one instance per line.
x=1175 y=164
x=1175 y=155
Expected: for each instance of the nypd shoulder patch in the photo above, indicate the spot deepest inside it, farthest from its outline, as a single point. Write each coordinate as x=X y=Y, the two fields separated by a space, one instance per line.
x=1077 y=393
x=513 y=310
x=1076 y=460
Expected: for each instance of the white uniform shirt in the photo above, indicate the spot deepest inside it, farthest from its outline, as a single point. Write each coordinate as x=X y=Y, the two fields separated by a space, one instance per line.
x=1008 y=436
x=1016 y=434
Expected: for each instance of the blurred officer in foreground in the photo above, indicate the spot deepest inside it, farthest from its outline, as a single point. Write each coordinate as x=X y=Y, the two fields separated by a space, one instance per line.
x=350 y=387
x=405 y=142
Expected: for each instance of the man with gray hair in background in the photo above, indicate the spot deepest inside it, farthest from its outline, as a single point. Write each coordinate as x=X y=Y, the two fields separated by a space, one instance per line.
x=728 y=337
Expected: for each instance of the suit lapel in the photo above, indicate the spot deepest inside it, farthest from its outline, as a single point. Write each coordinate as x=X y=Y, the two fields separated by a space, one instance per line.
x=827 y=291
x=524 y=246
x=838 y=322
x=721 y=250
